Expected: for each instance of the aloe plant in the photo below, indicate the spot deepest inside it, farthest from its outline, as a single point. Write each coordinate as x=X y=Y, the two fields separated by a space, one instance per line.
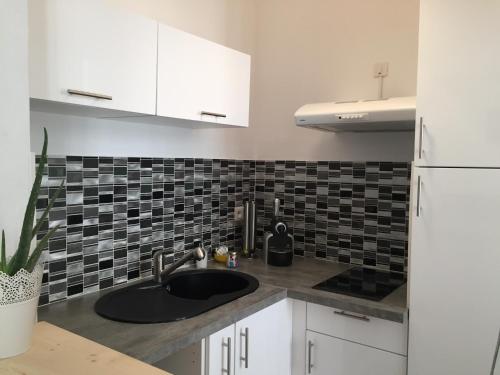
x=22 y=259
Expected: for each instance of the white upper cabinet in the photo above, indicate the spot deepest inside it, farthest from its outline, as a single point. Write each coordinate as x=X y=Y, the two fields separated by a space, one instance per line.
x=99 y=56
x=84 y=52
x=458 y=95
x=200 y=80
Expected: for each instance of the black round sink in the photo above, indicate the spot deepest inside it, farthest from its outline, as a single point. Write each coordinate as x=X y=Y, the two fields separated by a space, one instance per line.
x=202 y=285
x=185 y=294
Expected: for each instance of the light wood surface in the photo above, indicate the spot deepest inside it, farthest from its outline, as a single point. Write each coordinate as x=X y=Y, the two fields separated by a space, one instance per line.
x=55 y=351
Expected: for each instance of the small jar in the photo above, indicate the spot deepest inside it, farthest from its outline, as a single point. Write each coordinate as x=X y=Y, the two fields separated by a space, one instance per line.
x=232 y=260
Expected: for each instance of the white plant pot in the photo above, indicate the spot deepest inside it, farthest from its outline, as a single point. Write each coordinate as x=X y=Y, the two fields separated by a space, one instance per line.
x=18 y=306
x=16 y=324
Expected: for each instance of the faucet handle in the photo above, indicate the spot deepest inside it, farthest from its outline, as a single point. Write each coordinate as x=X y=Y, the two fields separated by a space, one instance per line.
x=199 y=253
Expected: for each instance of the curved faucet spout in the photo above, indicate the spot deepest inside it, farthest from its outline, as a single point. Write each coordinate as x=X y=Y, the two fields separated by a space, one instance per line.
x=160 y=274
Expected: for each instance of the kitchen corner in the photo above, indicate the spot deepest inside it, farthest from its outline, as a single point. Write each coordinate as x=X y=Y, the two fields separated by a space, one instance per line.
x=151 y=343
x=249 y=187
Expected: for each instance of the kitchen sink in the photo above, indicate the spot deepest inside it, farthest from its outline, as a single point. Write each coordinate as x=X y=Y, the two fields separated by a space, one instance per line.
x=206 y=284
x=184 y=295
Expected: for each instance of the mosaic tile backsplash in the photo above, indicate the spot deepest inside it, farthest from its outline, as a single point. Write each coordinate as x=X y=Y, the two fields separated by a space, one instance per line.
x=115 y=212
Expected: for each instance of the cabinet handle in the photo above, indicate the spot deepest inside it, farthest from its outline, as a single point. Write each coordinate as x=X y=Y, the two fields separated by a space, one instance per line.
x=215 y=114
x=89 y=94
x=309 y=354
x=228 y=346
x=245 y=358
x=419 y=183
x=495 y=357
x=347 y=315
x=420 y=137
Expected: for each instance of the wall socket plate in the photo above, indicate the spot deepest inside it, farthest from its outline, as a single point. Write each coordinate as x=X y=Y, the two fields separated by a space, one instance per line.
x=238 y=213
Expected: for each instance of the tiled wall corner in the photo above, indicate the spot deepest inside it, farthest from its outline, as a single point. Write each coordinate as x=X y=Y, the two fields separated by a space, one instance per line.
x=114 y=212
x=347 y=212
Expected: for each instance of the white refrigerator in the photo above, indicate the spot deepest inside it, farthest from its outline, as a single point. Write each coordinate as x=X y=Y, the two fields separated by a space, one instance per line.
x=454 y=255
x=455 y=272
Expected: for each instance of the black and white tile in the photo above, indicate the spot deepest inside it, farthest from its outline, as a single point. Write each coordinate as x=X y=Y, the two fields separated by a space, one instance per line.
x=347 y=212
x=116 y=211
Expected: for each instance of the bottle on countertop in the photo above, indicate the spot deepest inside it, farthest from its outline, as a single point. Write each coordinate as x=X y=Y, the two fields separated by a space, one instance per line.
x=249 y=219
x=232 y=260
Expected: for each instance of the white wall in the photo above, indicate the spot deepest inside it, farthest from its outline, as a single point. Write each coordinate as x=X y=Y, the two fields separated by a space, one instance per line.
x=15 y=157
x=324 y=50
x=302 y=51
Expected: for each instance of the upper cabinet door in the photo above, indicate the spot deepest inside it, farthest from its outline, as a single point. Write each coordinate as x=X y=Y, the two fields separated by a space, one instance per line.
x=200 y=80
x=458 y=92
x=87 y=53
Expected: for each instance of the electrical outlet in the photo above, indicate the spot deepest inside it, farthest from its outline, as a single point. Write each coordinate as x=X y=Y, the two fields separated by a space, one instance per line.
x=238 y=213
x=381 y=69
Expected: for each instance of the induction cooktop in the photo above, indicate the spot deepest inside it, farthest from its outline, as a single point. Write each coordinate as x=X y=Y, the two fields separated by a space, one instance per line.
x=363 y=282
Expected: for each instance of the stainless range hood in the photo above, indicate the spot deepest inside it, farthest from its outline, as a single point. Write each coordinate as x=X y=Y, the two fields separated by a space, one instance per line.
x=392 y=114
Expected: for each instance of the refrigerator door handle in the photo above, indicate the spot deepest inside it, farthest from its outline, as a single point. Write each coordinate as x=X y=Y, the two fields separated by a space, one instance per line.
x=419 y=183
x=495 y=357
x=421 y=136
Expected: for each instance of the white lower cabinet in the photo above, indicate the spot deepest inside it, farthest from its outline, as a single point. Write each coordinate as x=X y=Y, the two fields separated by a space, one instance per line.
x=220 y=352
x=367 y=330
x=293 y=337
x=328 y=355
x=341 y=342
x=257 y=345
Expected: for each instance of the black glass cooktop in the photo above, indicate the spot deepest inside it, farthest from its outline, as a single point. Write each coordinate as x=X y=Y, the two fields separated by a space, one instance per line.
x=363 y=283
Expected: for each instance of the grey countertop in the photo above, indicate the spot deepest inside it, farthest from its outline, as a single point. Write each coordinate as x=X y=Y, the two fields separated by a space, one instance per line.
x=153 y=342
x=306 y=272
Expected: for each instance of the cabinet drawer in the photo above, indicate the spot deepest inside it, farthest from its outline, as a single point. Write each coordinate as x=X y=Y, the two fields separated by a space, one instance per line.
x=328 y=355
x=375 y=332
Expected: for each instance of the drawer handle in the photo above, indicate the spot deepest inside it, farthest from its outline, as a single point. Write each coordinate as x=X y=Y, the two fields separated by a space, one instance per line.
x=89 y=94
x=352 y=316
x=215 y=114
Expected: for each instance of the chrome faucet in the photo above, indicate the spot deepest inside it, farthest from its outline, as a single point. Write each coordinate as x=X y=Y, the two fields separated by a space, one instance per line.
x=160 y=272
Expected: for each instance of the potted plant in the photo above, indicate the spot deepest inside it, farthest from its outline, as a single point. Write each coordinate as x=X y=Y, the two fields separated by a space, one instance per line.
x=21 y=274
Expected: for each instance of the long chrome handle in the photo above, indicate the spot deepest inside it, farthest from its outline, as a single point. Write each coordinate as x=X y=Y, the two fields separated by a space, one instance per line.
x=228 y=363
x=347 y=315
x=495 y=357
x=89 y=94
x=309 y=354
x=419 y=183
x=215 y=114
x=245 y=358
x=421 y=136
